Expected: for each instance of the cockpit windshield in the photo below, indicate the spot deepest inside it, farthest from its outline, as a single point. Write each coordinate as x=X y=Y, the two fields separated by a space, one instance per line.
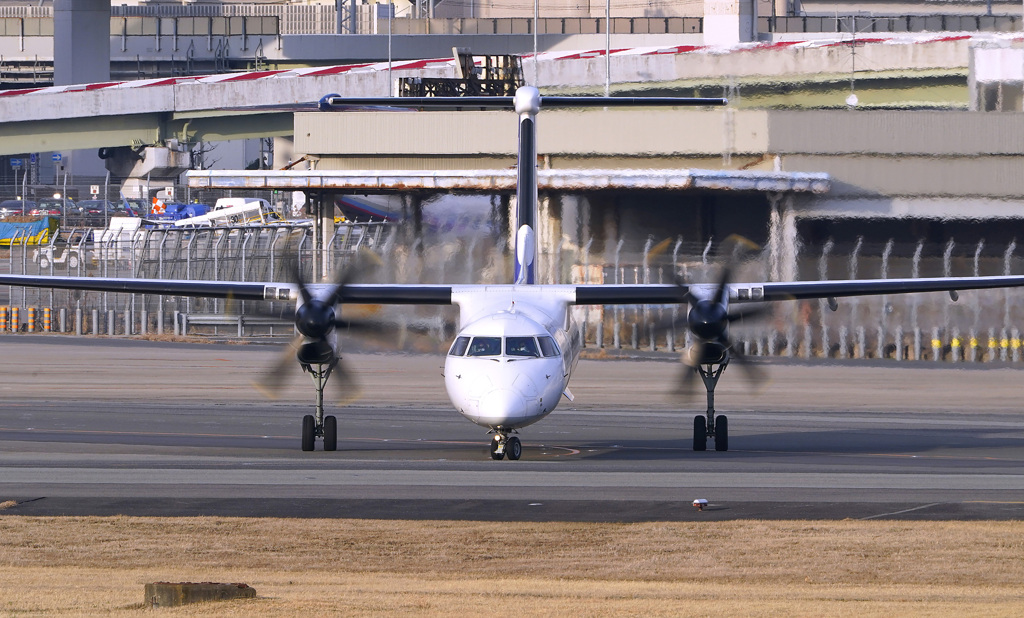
x=459 y=347
x=485 y=346
x=522 y=346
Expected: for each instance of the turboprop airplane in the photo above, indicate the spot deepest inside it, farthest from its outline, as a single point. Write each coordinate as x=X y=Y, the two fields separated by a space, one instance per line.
x=517 y=344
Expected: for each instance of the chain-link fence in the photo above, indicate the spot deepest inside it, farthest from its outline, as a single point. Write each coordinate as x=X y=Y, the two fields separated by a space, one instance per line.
x=981 y=326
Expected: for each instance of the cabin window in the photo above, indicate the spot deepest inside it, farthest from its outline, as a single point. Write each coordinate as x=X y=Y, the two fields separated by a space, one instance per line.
x=485 y=346
x=521 y=346
x=547 y=346
x=459 y=347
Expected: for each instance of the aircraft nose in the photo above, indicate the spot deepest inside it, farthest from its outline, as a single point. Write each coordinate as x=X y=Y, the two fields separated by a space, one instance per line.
x=502 y=406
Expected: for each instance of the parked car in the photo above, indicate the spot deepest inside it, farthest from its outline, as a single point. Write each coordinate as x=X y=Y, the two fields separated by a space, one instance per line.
x=15 y=207
x=54 y=206
x=97 y=213
x=137 y=206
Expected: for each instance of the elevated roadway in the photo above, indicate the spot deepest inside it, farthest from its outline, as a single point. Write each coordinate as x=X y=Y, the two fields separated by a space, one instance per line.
x=210 y=108
x=188 y=109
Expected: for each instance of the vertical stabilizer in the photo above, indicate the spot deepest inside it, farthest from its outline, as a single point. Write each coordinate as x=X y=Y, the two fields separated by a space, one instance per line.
x=527 y=104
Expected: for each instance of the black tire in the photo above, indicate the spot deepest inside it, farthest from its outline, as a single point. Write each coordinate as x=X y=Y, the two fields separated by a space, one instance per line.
x=308 y=432
x=73 y=261
x=700 y=433
x=495 y=455
x=514 y=448
x=721 y=433
x=330 y=433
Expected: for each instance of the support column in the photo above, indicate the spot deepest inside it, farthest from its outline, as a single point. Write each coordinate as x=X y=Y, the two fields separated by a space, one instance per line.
x=727 y=22
x=500 y=212
x=81 y=41
x=326 y=216
x=549 y=237
x=782 y=238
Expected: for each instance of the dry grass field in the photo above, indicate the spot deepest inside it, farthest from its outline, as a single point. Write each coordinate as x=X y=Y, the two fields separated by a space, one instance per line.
x=87 y=566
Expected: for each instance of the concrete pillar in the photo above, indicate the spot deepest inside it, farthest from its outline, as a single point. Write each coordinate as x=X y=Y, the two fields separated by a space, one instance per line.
x=549 y=238
x=728 y=22
x=782 y=238
x=81 y=41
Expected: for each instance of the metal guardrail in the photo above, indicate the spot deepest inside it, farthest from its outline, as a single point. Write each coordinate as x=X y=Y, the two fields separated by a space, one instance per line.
x=865 y=24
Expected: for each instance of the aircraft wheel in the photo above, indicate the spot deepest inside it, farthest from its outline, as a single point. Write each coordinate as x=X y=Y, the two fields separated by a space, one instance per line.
x=514 y=448
x=308 y=432
x=495 y=454
x=721 y=433
x=330 y=433
x=700 y=433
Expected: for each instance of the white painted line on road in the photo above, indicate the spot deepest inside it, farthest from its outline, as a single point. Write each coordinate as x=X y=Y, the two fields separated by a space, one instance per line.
x=521 y=478
x=916 y=508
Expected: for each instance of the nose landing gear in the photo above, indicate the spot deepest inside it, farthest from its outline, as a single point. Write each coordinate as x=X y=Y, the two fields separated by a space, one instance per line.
x=707 y=425
x=503 y=445
x=317 y=425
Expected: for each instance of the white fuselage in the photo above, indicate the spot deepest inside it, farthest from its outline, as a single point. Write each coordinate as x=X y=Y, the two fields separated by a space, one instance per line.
x=513 y=356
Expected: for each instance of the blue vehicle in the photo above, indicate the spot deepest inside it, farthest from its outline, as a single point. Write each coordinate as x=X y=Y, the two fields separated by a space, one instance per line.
x=174 y=211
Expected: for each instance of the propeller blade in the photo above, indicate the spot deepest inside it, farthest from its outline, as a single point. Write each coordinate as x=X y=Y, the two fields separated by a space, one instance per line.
x=684 y=291
x=296 y=273
x=363 y=259
x=747 y=312
x=733 y=248
x=685 y=383
x=723 y=284
x=754 y=373
x=686 y=379
x=274 y=380
x=344 y=383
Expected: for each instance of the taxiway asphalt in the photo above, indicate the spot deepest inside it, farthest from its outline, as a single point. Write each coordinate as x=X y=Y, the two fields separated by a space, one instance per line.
x=114 y=426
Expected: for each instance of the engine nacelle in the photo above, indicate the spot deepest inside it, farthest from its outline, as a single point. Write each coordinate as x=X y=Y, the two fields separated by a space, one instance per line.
x=319 y=352
x=711 y=353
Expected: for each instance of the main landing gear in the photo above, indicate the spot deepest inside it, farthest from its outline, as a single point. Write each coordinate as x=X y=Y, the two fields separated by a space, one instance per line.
x=708 y=426
x=503 y=445
x=317 y=425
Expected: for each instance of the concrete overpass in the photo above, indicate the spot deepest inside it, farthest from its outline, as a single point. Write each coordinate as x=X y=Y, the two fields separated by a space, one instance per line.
x=240 y=105
x=186 y=109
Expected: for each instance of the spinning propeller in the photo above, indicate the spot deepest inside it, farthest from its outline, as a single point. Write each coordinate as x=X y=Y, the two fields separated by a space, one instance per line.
x=708 y=320
x=316 y=320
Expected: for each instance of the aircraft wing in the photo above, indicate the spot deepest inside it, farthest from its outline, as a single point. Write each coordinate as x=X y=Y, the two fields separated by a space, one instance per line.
x=595 y=294
x=239 y=290
x=799 y=290
x=640 y=294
